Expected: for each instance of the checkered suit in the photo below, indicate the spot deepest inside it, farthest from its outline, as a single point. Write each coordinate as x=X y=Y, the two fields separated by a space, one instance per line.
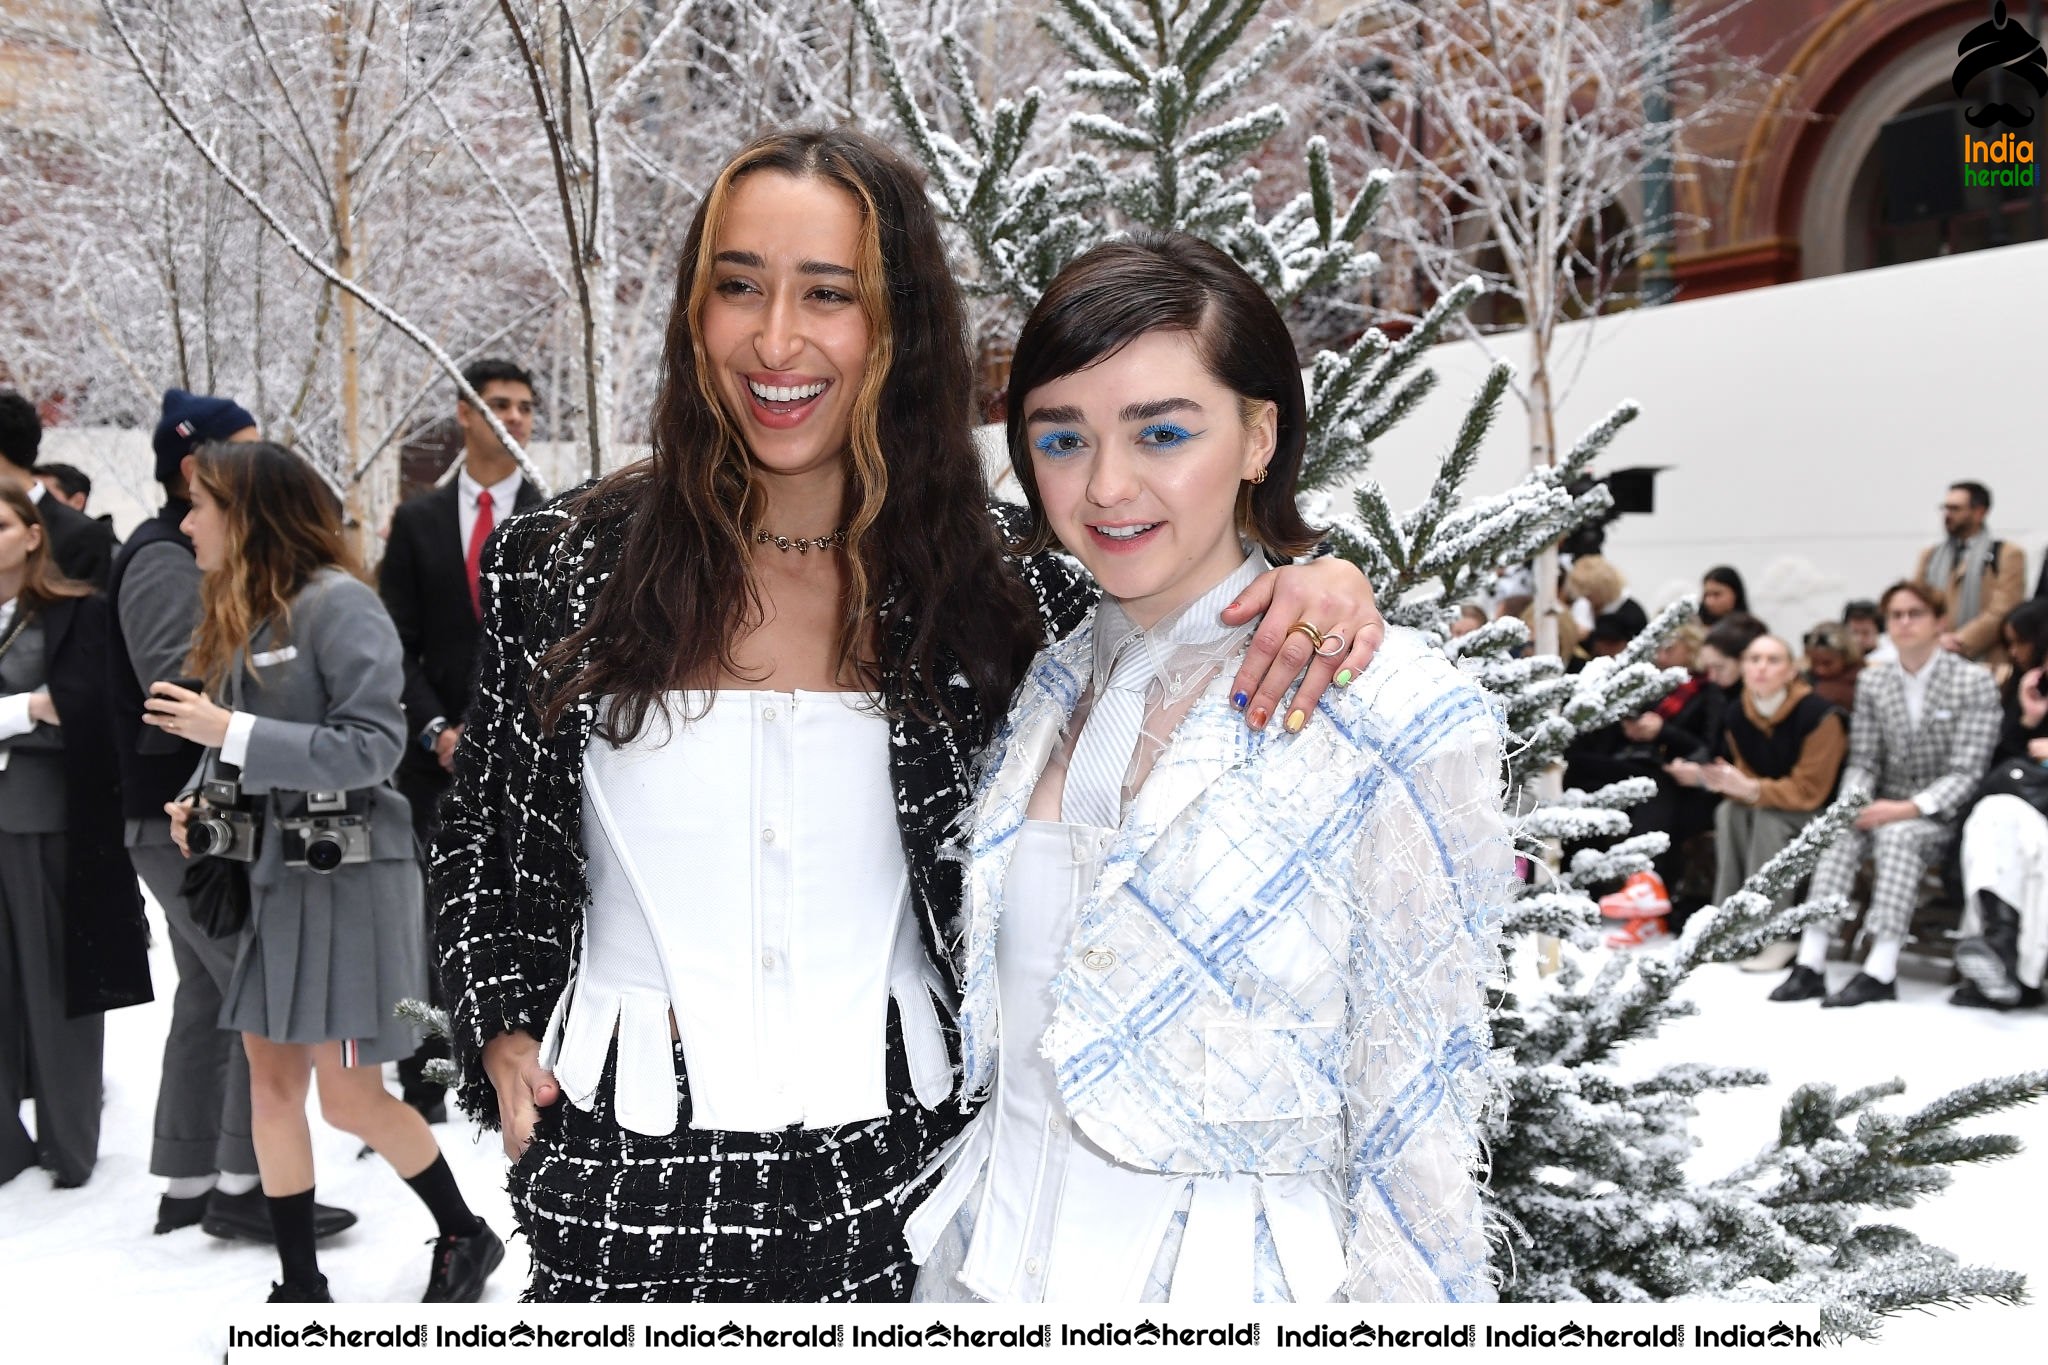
x=1937 y=765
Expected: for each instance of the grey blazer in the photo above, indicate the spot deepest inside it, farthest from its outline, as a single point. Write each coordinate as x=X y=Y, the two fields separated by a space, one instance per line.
x=325 y=693
x=1891 y=759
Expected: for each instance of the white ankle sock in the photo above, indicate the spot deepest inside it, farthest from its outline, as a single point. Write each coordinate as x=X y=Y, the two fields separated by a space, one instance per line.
x=1883 y=962
x=1813 y=946
x=187 y=1186
x=235 y=1182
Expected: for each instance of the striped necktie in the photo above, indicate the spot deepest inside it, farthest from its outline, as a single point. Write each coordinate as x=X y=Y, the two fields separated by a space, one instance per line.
x=1102 y=756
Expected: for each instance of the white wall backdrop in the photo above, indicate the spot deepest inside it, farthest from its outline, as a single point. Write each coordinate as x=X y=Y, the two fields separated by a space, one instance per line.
x=1810 y=428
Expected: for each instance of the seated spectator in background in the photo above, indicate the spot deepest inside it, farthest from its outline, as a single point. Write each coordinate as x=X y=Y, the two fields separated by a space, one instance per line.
x=1832 y=663
x=1683 y=724
x=1607 y=637
x=1924 y=730
x=1721 y=594
x=1513 y=605
x=68 y=484
x=1782 y=747
x=2005 y=839
x=1471 y=616
x=1865 y=624
x=1594 y=581
x=1982 y=577
x=1719 y=658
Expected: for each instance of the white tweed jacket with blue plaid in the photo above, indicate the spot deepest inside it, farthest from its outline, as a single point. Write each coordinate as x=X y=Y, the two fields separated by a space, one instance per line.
x=1282 y=967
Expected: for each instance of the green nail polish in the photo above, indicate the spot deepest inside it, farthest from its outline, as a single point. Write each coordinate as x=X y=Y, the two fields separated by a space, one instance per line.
x=1344 y=676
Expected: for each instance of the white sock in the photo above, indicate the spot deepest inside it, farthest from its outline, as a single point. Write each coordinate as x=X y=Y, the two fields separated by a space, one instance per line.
x=1813 y=946
x=187 y=1186
x=235 y=1182
x=1883 y=962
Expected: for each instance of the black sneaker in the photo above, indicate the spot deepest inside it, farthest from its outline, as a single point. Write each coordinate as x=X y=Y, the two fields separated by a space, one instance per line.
x=172 y=1214
x=462 y=1264
x=247 y=1216
x=1801 y=983
x=1862 y=989
x=301 y=1291
x=1967 y=996
x=1989 y=969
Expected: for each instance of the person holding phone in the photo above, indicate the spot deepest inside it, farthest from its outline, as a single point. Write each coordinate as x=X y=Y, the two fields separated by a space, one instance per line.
x=73 y=942
x=297 y=783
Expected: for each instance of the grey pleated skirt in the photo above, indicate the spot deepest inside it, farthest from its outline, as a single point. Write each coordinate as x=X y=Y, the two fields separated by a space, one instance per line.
x=327 y=959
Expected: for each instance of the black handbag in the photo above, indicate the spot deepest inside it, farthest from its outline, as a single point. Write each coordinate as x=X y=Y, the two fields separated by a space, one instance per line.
x=216 y=890
x=2021 y=777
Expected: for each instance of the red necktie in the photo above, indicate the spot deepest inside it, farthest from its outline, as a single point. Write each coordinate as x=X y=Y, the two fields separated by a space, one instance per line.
x=478 y=534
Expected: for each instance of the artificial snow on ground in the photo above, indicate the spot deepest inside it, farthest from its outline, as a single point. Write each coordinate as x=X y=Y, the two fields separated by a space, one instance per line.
x=87 y=1256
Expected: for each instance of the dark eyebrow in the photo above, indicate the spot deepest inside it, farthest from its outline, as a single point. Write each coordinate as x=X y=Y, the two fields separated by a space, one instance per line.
x=749 y=260
x=1145 y=412
x=1065 y=414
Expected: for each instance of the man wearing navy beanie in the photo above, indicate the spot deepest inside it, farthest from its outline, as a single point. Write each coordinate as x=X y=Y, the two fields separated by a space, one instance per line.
x=202 y=1145
x=83 y=546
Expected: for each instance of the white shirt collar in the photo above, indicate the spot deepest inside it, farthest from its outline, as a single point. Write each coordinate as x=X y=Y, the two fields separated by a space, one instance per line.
x=1197 y=623
x=36 y=490
x=503 y=492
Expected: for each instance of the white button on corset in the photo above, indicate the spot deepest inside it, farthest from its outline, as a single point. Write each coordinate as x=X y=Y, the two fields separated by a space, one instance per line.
x=746 y=875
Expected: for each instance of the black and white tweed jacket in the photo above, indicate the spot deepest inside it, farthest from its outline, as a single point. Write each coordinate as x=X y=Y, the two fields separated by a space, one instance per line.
x=507 y=873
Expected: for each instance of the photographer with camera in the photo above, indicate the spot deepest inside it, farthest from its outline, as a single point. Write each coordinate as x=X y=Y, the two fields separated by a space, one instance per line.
x=298 y=820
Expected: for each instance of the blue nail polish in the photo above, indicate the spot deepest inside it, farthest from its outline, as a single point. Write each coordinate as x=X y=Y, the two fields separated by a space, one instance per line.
x=1239 y=700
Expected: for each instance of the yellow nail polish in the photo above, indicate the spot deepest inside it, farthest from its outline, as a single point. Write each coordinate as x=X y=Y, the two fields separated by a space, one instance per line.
x=1295 y=720
x=1344 y=677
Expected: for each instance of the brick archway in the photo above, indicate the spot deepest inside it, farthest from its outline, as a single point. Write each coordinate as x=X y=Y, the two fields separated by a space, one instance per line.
x=1795 y=171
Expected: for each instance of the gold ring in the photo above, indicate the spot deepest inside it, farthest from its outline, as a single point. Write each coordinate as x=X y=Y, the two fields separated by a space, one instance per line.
x=1315 y=637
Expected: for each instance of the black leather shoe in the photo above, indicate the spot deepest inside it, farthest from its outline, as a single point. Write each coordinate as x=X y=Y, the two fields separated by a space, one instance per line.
x=172 y=1214
x=247 y=1216
x=1801 y=983
x=297 y=1291
x=462 y=1264
x=1862 y=989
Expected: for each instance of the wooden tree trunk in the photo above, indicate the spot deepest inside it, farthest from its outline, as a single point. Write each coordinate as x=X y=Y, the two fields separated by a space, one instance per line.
x=345 y=266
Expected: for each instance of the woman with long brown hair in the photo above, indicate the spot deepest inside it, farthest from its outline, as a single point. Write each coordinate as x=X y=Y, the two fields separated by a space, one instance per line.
x=72 y=938
x=689 y=879
x=296 y=790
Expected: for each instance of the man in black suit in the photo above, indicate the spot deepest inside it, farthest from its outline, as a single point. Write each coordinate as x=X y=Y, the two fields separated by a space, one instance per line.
x=429 y=585
x=82 y=546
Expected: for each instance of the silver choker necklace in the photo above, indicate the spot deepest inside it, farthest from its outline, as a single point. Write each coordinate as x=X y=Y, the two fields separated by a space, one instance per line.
x=803 y=544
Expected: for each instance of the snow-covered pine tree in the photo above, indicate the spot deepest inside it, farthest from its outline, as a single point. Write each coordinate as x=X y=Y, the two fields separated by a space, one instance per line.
x=1588 y=1166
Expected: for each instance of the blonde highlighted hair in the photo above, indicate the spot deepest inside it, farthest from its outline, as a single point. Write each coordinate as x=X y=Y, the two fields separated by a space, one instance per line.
x=281 y=525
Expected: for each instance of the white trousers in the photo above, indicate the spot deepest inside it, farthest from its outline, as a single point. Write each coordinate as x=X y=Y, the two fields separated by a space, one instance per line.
x=2005 y=852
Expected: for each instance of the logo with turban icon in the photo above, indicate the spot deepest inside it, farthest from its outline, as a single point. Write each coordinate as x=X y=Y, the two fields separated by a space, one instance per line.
x=2000 y=43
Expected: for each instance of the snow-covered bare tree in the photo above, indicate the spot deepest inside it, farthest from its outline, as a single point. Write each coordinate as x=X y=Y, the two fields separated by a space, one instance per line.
x=1537 y=143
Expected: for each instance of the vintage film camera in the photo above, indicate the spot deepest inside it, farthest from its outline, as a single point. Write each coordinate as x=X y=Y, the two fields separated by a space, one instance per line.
x=224 y=827
x=324 y=830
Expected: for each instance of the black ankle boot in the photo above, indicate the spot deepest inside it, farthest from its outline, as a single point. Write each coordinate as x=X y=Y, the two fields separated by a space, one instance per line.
x=1991 y=960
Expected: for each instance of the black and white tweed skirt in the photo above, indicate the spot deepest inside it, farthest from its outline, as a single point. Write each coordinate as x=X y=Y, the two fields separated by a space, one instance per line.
x=705 y=1216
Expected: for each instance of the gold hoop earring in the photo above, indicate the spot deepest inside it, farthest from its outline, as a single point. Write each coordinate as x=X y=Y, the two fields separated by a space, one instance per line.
x=1260 y=477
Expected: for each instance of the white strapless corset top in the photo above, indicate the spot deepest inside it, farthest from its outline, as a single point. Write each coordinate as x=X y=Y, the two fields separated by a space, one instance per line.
x=747 y=878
